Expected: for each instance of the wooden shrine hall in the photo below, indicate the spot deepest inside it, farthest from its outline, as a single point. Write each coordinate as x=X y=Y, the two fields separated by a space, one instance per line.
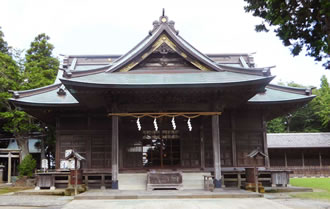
x=162 y=106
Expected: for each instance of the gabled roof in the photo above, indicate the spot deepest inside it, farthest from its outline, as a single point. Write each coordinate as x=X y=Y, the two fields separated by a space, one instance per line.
x=163 y=33
x=298 y=140
x=110 y=71
x=12 y=145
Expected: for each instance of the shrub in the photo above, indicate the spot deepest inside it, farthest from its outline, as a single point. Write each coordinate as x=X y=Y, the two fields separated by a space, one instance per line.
x=27 y=166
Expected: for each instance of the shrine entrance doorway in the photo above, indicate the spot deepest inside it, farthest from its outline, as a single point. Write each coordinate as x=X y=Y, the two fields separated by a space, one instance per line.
x=164 y=147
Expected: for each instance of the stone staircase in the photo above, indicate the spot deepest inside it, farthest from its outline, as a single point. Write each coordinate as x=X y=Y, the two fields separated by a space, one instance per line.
x=138 y=181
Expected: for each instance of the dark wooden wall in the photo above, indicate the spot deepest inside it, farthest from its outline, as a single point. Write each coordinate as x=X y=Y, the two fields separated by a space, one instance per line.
x=240 y=133
x=302 y=161
x=88 y=135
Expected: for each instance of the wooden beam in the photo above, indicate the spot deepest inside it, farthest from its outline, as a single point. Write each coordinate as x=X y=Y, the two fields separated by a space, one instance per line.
x=114 y=153
x=216 y=150
x=165 y=114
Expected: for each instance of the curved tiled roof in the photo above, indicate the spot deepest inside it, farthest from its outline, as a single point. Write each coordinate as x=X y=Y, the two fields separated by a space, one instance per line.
x=298 y=140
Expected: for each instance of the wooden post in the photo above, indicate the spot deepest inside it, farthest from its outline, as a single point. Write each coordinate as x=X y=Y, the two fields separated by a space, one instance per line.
x=285 y=160
x=9 y=167
x=76 y=179
x=264 y=136
x=114 y=153
x=303 y=159
x=233 y=139
x=216 y=151
x=320 y=158
x=202 y=144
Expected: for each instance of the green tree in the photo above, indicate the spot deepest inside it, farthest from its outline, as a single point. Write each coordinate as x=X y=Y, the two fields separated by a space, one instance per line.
x=40 y=66
x=298 y=23
x=276 y=125
x=3 y=44
x=27 y=166
x=12 y=120
x=312 y=117
x=322 y=103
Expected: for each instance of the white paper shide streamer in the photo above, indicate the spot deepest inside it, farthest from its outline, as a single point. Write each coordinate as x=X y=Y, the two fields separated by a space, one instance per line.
x=155 y=124
x=138 y=124
x=189 y=125
x=173 y=124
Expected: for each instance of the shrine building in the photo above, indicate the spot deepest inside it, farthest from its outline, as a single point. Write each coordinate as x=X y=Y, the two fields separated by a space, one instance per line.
x=162 y=106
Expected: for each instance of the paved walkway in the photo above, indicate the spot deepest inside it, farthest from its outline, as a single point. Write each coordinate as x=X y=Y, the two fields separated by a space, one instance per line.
x=32 y=201
x=98 y=194
x=226 y=203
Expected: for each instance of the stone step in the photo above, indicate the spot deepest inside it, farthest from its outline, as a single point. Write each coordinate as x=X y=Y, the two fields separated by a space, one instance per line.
x=132 y=181
x=138 y=181
x=194 y=180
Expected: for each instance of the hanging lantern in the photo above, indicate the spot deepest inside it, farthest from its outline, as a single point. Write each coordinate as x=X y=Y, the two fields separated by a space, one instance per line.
x=189 y=125
x=155 y=124
x=173 y=124
x=138 y=124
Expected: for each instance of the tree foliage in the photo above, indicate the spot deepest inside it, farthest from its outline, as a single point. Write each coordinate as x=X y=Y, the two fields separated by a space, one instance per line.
x=38 y=69
x=298 y=23
x=40 y=66
x=27 y=166
x=3 y=44
x=323 y=103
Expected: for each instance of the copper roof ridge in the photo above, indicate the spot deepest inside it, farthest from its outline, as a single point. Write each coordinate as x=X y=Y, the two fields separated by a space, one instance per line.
x=289 y=89
x=78 y=73
x=31 y=92
x=265 y=71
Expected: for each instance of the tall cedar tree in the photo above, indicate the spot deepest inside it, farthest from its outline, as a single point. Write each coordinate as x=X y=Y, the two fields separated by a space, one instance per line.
x=12 y=120
x=298 y=23
x=40 y=66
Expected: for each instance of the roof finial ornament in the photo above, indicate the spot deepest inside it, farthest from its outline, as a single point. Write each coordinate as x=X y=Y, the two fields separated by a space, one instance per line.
x=163 y=20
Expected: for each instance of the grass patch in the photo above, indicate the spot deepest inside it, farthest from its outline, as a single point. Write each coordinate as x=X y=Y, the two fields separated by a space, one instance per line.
x=314 y=183
x=5 y=190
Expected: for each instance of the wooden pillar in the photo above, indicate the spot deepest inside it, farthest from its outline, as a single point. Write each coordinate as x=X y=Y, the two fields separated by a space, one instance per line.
x=216 y=151
x=264 y=136
x=202 y=144
x=9 y=167
x=114 y=153
x=285 y=160
x=320 y=158
x=233 y=139
x=303 y=159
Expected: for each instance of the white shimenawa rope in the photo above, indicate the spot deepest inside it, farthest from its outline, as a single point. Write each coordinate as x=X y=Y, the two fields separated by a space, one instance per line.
x=173 y=124
x=138 y=124
x=155 y=124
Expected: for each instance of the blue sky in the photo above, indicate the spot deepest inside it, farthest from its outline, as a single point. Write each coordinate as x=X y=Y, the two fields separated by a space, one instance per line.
x=114 y=27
